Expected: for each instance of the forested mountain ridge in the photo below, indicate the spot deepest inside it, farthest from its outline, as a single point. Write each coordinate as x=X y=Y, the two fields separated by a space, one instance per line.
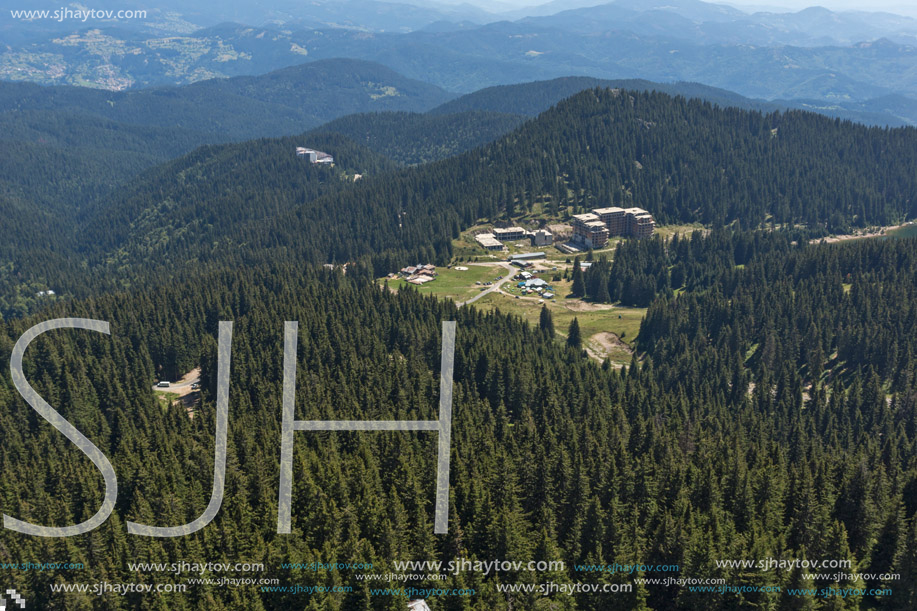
x=193 y=201
x=683 y=160
x=70 y=146
x=282 y=102
x=535 y=97
x=60 y=161
x=205 y=199
x=106 y=138
x=67 y=148
x=414 y=138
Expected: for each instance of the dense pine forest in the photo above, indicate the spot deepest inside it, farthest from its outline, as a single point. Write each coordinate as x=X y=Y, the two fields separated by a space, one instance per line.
x=532 y=99
x=125 y=241
x=414 y=138
x=774 y=414
x=285 y=101
x=641 y=270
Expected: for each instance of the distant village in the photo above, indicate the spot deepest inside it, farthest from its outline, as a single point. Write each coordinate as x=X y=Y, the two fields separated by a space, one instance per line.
x=590 y=230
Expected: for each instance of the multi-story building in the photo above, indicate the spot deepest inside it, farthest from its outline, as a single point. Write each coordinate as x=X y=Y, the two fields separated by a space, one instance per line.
x=638 y=223
x=314 y=156
x=488 y=241
x=633 y=222
x=542 y=237
x=589 y=231
x=642 y=225
x=510 y=233
x=614 y=218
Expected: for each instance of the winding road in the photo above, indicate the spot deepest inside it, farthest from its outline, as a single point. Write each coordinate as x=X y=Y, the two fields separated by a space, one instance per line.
x=496 y=286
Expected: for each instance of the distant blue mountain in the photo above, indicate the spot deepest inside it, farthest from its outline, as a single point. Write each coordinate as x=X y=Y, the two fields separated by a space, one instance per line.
x=835 y=61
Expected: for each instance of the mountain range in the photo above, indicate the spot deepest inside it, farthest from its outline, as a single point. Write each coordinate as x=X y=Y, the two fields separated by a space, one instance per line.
x=104 y=138
x=257 y=202
x=689 y=19
x=823 y=58
x=84 y=143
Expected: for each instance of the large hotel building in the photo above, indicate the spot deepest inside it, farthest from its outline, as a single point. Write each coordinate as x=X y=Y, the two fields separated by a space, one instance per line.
x=593 y=229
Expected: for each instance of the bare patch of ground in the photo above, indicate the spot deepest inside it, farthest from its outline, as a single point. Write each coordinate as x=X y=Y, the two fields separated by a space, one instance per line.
x=874 y=233
x=182 y=393
x=609 y=345
x=578 y=305
x=610 y=341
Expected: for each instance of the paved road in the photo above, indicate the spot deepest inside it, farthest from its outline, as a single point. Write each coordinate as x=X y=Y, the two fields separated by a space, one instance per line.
x=507 y=276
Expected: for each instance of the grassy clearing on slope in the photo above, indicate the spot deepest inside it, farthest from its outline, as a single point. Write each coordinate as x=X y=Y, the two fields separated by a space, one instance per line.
x=455 y=284
x=596 y=321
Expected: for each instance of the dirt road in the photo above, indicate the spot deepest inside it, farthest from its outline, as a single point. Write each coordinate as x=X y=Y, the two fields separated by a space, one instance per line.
x=496 y=286
x=183 y=386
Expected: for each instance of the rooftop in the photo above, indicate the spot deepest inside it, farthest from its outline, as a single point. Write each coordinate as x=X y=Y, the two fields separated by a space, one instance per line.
x=487 y=239
x=608 y=210
x=528 y=255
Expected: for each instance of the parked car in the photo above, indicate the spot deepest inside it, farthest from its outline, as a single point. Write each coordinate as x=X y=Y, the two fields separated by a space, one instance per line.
x=164 y=385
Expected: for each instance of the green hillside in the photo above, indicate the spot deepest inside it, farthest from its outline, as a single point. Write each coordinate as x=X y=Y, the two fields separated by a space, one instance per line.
x=282 y=102
x=414 y=138
x=536 y=97
x=684 y=161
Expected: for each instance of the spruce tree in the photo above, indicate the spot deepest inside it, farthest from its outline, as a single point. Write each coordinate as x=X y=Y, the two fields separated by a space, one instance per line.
x=574 y=337
x=546 y=321
x=579 y=285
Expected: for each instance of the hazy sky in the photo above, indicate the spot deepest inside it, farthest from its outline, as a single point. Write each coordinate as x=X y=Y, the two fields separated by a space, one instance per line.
x=902 y=7
x=836 y=5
